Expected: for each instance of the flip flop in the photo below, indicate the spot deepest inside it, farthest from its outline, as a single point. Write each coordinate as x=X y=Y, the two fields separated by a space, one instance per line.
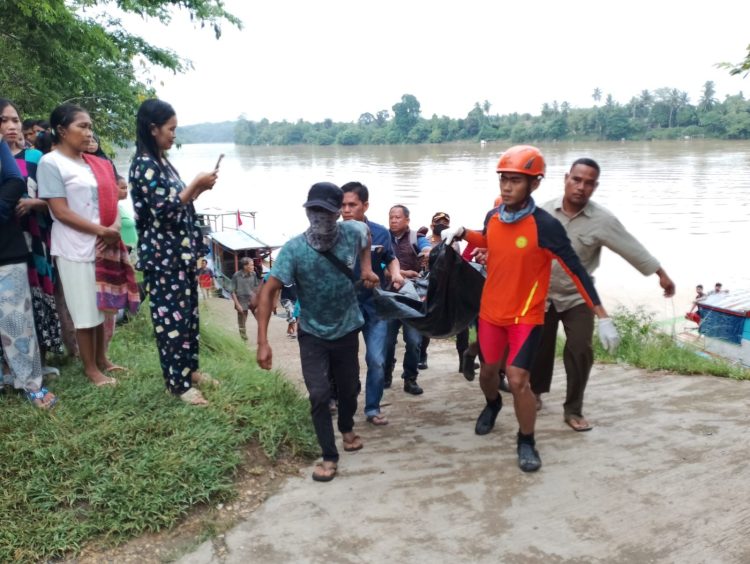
x=378 y=419
x=193 y=397
x=579 y=425
x=41 y=395
x=107 y=382
x=323 y=474
x=353 y=445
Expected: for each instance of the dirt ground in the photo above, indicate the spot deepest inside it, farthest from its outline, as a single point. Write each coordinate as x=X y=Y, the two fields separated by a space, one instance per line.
x=662 y=477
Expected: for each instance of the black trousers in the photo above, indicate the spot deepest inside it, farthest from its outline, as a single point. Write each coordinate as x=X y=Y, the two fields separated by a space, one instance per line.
x=339 y=359
x=174 y=314
x=578 y=354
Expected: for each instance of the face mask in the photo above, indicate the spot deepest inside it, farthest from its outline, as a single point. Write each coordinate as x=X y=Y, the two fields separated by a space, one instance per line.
x=323 y=231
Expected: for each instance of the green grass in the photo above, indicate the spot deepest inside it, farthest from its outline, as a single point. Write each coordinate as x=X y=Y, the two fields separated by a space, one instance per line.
x=110 y=463
x=644 y=346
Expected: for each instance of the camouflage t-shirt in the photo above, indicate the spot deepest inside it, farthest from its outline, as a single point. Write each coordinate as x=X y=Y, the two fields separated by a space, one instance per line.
x=327 y=300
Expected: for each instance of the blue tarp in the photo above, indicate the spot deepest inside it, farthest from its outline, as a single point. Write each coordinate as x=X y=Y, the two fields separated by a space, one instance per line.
x=721 y=325
x=725 y=315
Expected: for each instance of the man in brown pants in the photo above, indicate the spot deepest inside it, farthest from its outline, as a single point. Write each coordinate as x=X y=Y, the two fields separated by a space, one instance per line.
x=590 y=227
x=244 y=287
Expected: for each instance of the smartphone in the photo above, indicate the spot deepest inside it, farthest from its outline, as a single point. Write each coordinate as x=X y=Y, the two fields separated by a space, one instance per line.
x=218 y=162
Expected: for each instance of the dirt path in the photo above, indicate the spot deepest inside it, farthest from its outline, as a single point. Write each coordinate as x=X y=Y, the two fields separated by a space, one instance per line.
x=663 y=477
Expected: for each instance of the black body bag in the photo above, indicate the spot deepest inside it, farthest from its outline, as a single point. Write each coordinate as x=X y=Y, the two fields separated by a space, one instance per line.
x=453 y=294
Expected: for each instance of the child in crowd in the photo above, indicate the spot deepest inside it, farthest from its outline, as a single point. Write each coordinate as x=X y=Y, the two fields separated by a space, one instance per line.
x=205 y=279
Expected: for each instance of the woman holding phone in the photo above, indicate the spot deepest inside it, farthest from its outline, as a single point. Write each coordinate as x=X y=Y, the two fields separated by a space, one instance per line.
x=169 y=245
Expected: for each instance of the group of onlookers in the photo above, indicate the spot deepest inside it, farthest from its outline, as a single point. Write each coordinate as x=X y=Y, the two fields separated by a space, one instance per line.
x=65 y=249
x=61 y=230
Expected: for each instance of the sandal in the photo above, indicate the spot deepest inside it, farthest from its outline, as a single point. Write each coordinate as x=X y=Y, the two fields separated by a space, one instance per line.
x=41 y=396
x=323 y=473
x=106 y=382
x=578 y=424
x=353 y=445
x=194 y=397
x=378 y=419
x=109 y=366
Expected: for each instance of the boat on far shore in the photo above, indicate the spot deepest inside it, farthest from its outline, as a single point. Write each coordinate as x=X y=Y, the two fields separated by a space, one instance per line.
x=723 y=329
x=232 y=236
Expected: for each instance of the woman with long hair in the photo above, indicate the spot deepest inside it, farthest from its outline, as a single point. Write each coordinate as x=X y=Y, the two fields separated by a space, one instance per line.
x=36 y=223
x=169 y=245
x=82 y=195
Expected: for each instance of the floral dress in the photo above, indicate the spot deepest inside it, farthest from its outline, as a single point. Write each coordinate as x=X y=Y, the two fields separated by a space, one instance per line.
x=169 y=244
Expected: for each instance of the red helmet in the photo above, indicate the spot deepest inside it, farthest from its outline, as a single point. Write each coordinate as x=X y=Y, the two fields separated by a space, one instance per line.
x=524 y=159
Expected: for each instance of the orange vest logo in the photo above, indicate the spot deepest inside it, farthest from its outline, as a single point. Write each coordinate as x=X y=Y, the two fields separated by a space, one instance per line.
x=521 y=242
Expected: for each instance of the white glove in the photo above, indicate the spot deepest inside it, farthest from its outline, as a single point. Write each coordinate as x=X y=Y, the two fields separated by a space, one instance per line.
x=608 y=334
x=450 y=234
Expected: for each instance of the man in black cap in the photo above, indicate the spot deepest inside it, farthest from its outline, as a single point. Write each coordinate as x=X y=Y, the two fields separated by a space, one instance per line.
x=320 y=261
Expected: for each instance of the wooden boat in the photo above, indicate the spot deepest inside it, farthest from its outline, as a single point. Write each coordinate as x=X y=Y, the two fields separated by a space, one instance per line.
x=232 y=236
x=724 y=328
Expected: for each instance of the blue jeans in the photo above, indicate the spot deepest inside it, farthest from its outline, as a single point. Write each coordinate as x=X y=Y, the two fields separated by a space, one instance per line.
x=413 y=341
x=375 y=332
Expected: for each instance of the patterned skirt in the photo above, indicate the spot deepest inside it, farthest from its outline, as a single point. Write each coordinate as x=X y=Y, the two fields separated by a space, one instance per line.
x=46 y=321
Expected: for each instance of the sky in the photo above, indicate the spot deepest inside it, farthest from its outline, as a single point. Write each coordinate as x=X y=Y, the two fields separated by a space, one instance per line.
x=338 y=59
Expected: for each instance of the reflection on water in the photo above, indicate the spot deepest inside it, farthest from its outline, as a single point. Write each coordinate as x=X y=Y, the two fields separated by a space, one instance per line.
x=687 y=201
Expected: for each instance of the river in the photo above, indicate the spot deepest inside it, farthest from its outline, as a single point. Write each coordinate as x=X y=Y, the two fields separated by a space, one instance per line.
x=687 y=201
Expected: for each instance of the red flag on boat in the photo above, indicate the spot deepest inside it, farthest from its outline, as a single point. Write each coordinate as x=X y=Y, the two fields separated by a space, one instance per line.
x=239 y=218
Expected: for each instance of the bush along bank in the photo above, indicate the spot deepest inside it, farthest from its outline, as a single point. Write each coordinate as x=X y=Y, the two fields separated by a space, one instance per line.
x=645 y=346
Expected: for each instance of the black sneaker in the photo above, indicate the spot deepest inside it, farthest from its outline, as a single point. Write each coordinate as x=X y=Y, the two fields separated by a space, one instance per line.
x=411 y=387
x=422 y=365
x=528 y=458
x=467 y=366
x=486 y=419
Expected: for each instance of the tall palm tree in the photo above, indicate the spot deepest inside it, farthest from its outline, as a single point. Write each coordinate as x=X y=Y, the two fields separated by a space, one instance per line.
x=707 y=101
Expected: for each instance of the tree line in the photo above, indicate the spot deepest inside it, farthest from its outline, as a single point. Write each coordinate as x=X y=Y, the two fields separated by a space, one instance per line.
x=79 y=51
x=665 y=113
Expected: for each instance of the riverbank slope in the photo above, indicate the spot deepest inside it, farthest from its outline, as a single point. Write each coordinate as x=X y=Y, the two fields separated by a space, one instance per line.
x=661 y=477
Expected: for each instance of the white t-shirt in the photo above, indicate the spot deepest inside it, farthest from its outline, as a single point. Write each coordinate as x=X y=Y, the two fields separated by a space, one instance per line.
x=61 y=177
